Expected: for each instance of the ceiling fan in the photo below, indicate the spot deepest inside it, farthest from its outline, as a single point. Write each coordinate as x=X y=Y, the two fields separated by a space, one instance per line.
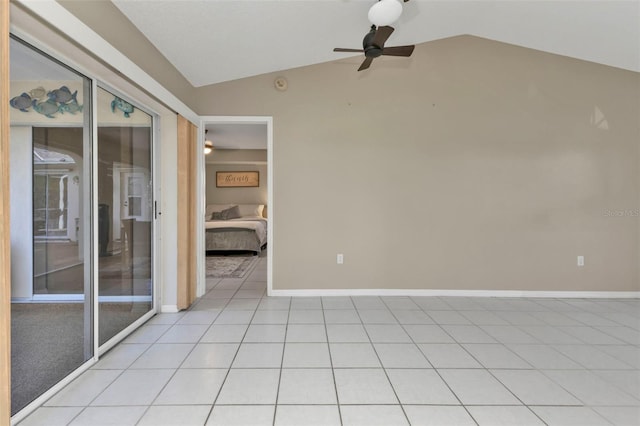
x=373 y=46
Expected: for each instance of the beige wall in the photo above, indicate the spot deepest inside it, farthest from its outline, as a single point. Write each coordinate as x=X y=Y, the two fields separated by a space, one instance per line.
x=472 y=165
x=237 y=160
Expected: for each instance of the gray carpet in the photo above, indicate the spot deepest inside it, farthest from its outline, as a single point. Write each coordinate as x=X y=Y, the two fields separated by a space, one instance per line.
x=47 y=338
x=231 y=266
x=47 y=342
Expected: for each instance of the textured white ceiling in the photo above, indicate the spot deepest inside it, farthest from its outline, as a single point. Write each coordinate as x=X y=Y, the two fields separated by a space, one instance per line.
x=237 y=135
x=219 y=40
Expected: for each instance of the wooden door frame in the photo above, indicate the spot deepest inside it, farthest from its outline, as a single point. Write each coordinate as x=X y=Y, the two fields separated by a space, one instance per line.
x=5 y=247
x=186 y=251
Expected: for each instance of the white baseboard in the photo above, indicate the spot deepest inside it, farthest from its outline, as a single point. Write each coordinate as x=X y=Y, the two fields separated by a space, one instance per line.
x=461 y=293
x=169 y=309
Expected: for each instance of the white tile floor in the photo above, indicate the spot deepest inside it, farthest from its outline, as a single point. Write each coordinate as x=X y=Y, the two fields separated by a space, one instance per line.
x=239 y=358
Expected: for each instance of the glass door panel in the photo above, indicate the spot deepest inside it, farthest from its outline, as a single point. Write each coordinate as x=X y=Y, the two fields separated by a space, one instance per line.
x=51 y=285
x=125 y=214
x=58 y=262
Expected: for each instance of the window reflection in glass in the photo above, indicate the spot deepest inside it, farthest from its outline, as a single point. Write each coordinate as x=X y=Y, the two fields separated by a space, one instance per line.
x=51 y=286
x=125 y=213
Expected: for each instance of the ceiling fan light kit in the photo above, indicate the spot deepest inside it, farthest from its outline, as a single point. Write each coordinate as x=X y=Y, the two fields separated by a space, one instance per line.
x=385 y=12
x=381 y=15
x=208 y=145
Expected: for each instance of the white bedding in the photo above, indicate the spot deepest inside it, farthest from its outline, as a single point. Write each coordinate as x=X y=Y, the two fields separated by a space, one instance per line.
x=254 y=223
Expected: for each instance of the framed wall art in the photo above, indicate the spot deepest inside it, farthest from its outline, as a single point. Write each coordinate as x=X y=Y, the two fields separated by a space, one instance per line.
x=237 y=179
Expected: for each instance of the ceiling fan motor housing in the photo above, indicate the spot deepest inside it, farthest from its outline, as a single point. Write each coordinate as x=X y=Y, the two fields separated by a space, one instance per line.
x=370 y=49
x=373 y=46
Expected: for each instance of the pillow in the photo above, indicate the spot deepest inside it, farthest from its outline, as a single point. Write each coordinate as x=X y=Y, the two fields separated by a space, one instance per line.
x=230 y=213
x=215 y=208
x=251 y=210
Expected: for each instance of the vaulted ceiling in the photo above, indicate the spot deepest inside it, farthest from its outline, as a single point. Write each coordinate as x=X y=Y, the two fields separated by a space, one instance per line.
x=219 y=40
x=203 y=42
x=187 y=44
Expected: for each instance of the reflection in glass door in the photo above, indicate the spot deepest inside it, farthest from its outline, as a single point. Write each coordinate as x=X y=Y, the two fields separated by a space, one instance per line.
x=81 y=211
x=51 y=285
x=125 y=218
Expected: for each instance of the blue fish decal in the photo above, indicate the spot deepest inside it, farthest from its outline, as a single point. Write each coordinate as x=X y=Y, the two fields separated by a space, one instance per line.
x=46 y=108
x=122 y=105
x=71 y=107
x=22 y=102
x=62 y=95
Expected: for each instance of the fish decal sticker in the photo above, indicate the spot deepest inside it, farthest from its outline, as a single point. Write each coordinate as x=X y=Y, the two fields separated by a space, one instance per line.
x=46 y=108
x=48 y=103
x=122 y=105
x=71 y=107
x=62 y=95
x=22 y=102
x=38 y=93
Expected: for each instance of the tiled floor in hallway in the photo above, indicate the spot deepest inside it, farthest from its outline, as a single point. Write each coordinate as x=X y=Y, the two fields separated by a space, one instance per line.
x=240 y=358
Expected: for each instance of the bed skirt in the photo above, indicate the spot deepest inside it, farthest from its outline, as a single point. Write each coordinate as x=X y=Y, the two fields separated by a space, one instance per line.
x=232 y=240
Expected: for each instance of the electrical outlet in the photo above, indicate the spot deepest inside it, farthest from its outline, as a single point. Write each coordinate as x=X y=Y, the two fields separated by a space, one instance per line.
x=580 y=260
x=340 y=259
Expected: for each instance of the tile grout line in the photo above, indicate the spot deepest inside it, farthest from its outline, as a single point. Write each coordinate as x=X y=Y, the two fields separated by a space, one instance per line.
x=237 y=350
x=118 y=376
x=189 y=353
x=284 y=346
x=333 y=373
x=434 y=368
x=394 y=312
x=499 y=381
x=541 y=371
x=382 y=365
x=487 y=370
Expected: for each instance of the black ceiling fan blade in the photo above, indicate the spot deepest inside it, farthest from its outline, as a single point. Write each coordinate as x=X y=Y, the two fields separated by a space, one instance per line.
x=366 y=64
x=398 y=50
x=382 y=34
x=340 y=49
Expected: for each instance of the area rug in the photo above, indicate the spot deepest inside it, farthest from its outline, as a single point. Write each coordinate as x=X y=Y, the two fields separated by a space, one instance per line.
x=230 y=266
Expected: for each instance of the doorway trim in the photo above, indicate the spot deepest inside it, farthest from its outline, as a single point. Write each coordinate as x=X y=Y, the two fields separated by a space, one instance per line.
x=201 y=190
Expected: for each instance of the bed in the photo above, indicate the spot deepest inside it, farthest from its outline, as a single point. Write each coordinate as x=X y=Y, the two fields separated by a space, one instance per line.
x=235 y=227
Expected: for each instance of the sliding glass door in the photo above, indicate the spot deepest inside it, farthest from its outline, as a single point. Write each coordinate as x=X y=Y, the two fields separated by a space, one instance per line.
x=125 y=214
x=51 y=222
x=81 y=221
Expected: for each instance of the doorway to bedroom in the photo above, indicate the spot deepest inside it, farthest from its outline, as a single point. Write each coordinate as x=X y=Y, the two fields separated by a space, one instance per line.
x=236 y=195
